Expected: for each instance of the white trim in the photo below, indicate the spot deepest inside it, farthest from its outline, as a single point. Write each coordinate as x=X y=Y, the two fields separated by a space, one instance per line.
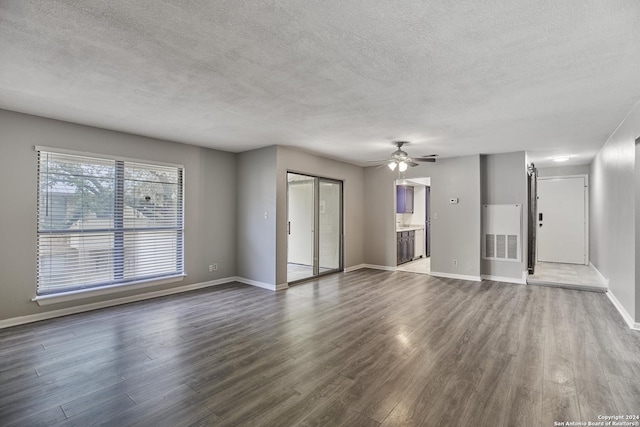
x=103 y=290
x=379 y=267
x=623 y=312
x=519 y=281
x=354 y=268
x=604 y=279
x=256 y=283
x=55 y=150
x=14 y=321
x=456 y=276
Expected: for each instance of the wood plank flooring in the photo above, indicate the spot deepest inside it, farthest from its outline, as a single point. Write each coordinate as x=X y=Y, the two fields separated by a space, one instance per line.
x=367 y=348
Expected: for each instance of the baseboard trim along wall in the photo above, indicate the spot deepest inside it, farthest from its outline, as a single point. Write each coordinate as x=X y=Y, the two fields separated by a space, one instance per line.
x=379 y=267
x=256 y=283
x=372 y=266
x=616 y=303
x=604 y=279
x=14 y=321
x=282 y=286
x=623 y=312
x=21 y=320
x=518 y=281
x=456 y=276
x=354 y=268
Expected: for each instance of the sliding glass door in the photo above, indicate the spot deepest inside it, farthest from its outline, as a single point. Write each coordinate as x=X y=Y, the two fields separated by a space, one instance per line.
x=314 y=227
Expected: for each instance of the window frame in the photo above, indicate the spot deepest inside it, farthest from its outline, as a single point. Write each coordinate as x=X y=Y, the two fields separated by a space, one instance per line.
x=105 y=288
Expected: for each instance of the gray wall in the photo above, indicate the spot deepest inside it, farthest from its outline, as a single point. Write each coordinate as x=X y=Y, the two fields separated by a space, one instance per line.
x=353 y=176
x=564 y=170
x=209 y=202
x=455 y=234
x=612 y=213
x=256 y=245
x=504 y=181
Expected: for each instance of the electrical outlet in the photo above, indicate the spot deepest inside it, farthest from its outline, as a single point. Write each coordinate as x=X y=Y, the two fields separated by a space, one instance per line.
x=455 y=262
x=215 y=265
x=210 y=268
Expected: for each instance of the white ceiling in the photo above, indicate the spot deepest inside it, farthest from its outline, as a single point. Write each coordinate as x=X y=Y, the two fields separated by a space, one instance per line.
x=340 y=78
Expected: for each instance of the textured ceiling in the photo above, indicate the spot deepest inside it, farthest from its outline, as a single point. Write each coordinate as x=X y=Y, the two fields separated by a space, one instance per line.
x=341 y=78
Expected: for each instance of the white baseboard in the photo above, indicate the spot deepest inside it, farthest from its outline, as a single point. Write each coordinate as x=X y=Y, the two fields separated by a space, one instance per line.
x=616 y=303
x=354 y=268
x=14 y=321
x=516 y=280
x=262 y=285
x=282 y=286
x=456 y=276
x=379 y=267
x=623 y=312
x=604 y=279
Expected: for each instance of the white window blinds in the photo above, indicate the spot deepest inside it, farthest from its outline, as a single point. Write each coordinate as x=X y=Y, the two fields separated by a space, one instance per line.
x=105 y=222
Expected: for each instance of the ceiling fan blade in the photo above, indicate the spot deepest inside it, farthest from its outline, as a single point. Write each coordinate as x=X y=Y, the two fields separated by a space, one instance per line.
x=412 y=164
x=430 y=155
x=428 y=159
x=377 y=161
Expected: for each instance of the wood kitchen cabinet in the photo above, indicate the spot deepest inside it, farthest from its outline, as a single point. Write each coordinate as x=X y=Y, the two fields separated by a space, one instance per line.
x=404 y=199
x=406 y=246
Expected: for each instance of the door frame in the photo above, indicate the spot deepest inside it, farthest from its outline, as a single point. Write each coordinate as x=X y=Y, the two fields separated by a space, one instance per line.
x=427 y=222
x=316 y=225
x=585 y=176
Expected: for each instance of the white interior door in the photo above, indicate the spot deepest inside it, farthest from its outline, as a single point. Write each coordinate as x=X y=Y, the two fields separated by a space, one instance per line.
x=562 y=220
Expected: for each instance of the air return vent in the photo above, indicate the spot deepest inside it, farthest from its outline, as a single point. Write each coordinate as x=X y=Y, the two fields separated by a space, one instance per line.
x=502 y=225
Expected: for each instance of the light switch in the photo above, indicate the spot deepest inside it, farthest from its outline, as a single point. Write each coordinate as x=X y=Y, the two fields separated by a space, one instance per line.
x=435 y=215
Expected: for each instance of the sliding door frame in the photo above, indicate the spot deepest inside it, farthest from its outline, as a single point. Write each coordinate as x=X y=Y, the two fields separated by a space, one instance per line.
x=317 y=180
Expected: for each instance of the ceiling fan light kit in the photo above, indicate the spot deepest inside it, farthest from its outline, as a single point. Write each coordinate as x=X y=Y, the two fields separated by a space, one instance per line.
x=401 y=160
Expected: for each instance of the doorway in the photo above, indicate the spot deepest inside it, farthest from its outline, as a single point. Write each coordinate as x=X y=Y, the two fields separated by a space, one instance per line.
x=413 y=219
x=314 y=226
x=562 y=229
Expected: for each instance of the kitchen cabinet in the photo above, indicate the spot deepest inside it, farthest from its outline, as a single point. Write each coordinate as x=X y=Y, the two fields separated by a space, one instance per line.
x=404 y=199
x=406 y=246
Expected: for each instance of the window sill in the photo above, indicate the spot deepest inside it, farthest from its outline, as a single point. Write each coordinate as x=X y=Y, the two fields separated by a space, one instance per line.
x=103 y=290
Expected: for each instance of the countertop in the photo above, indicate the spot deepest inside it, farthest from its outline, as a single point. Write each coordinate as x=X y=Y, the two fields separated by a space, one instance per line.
x=409 y=228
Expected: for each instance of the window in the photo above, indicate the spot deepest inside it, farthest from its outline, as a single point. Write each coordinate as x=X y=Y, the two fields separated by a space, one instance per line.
x=105 y=222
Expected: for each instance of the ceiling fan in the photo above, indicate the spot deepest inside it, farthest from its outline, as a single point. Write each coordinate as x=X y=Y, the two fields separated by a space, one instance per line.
x=402 y=160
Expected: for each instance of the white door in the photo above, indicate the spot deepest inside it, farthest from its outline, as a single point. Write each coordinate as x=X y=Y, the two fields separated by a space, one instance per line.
x=562 y=220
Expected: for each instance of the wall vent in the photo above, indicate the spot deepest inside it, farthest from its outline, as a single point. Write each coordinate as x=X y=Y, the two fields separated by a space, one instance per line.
x=501 y=232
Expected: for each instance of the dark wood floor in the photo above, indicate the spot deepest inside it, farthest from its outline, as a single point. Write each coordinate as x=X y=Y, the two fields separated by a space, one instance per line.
x=364 y=348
